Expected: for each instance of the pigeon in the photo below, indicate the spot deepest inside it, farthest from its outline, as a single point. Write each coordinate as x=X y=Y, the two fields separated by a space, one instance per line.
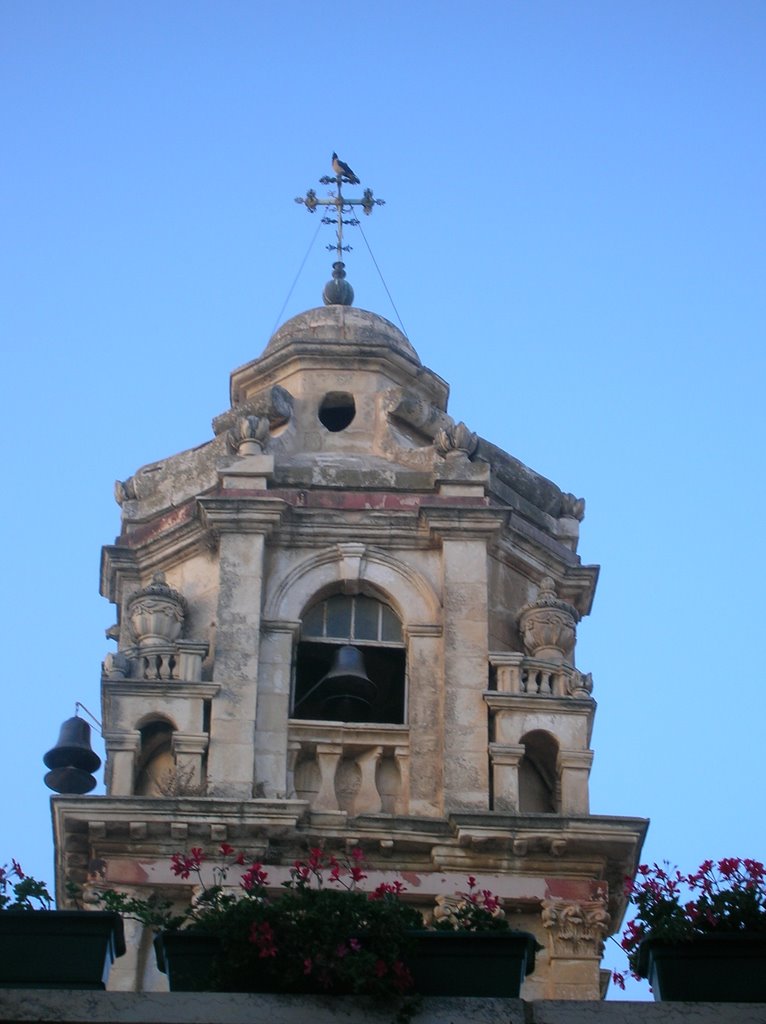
x=343 y=171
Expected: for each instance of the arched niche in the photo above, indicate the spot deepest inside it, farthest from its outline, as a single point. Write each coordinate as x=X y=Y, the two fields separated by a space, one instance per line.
x=538 y=782
x=155 y=767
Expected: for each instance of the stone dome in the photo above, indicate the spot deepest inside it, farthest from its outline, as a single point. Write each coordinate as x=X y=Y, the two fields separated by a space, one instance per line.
x=341 y=325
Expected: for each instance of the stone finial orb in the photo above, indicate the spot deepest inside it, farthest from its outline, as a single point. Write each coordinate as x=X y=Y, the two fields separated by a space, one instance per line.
x=548 y=625
x=338 y=292
x=157 y=613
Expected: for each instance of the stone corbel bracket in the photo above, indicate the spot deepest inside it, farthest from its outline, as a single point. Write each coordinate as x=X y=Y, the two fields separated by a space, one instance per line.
x=274 y=404
x=411 y=409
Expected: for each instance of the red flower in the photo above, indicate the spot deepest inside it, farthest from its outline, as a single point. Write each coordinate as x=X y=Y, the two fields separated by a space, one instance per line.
x=262 y=936
x=226 y=850
x=17 y=869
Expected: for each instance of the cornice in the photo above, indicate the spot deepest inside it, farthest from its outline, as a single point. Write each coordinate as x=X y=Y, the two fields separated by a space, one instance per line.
x=234 y=513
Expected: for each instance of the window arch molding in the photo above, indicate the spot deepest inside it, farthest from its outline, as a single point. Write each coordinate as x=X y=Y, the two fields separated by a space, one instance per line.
x=354 y=568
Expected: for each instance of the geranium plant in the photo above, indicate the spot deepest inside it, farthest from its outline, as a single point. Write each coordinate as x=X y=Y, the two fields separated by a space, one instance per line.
x=477 y=910
x=25 y=893
x=321 y=933
x=724 y=897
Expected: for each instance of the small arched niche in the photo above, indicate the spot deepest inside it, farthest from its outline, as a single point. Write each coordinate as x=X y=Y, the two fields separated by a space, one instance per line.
x=538 y=789
x=372 y=629
x=156 y=768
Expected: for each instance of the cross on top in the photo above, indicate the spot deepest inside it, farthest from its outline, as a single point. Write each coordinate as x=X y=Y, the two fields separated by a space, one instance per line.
x=343 y=205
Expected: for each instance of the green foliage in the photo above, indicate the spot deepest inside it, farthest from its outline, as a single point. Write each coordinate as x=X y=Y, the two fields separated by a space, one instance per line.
x=26 y=893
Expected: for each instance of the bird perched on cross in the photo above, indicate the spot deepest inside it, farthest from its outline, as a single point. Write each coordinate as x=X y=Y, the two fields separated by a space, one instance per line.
x=343 y=171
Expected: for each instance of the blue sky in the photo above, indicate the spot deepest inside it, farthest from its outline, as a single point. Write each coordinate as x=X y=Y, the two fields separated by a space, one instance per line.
x=573 y=236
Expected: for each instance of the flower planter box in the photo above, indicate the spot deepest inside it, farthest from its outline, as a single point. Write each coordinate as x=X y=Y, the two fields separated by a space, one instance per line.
x=188 y=959
x=442 y=963
x=462 y=963
x=71 y=949
x=725 y=968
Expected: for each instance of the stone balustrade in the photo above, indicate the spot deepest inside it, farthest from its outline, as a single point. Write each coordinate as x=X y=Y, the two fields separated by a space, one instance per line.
x=518 y=674
x=181 y=660
x=358 y=769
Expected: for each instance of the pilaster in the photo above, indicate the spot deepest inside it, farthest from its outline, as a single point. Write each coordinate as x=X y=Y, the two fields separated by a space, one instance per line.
x=243 y=523
x=273 y=708
x=464 y=533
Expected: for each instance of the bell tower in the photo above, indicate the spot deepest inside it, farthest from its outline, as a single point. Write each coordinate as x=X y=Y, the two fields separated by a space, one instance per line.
x=347 y=620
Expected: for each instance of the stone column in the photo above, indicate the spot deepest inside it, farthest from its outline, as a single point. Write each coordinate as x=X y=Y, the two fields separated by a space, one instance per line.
x=464 y=533
x=243 y=522
x=505 y=759
x=189 y=750
x=574 y=771
x=121 y=751
x=273 y=708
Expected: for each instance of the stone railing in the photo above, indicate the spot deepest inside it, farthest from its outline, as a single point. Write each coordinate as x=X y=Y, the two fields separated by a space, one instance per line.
x=181 y=660
x=358 y=769
x=518 y=674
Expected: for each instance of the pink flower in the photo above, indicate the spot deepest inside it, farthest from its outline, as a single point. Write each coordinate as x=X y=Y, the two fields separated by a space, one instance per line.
x=225 y=849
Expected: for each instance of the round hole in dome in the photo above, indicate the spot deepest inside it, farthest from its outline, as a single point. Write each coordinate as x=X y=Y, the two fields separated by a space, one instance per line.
x=337 y=410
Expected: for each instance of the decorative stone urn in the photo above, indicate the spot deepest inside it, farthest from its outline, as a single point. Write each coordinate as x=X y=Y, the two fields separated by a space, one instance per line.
x=157 y=614
x=549 y=625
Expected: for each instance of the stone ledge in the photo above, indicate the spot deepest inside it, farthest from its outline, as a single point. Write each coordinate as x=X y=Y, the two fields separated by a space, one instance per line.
x=233 y=1008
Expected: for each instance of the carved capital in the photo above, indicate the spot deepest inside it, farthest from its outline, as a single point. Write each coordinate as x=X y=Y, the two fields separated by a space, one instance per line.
x=576 y=930
x=548 y=624
x=249 y=435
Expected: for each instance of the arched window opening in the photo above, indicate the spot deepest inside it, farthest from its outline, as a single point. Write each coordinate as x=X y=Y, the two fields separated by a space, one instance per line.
x=537 y=773
x=350 y=663
x=156 y=769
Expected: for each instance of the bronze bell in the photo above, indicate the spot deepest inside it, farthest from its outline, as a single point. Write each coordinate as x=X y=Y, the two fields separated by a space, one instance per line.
x=346 y=691
x=72 y=759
